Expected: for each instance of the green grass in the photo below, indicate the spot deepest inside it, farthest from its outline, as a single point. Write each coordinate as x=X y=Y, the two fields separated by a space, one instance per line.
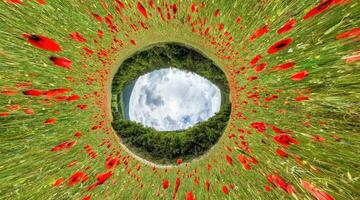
x=28 y=167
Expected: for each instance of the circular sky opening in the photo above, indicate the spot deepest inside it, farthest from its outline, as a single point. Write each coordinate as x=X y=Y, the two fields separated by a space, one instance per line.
x=171 y=99
x=169 y=102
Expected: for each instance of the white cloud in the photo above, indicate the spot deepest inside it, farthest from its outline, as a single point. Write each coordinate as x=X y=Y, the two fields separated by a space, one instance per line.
x=171 y=99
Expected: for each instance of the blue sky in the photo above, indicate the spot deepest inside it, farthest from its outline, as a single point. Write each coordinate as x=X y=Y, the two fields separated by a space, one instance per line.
x=170 y=99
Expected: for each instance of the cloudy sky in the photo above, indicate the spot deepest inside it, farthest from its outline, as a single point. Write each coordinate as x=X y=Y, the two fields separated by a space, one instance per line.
x=171 y=99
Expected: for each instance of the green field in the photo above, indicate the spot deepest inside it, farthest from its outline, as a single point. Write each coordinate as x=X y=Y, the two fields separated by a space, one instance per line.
x=293 y=69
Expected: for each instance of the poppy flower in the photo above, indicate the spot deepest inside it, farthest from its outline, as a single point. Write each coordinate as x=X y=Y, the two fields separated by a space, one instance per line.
x=73 y=97
x=50 y=121
x=165 y=184
x=260 y=67
x=260 y=32
x=317 y=138
x=34 y=93
x=177 y=185
x=97 y=17
x=301 y=98
x=179 y=161
x=100 y=179
x=317 y=193
x=55 y=92
x=75 y=178
x=28 y=111
x=349 y=34
x=58 y=182
x=112 y=163
x=320 y=8
x=207 y=185
x=82 y=106
x=77 y=37
x=87 y=197
x=280 y=45
x=298 y=76
x=216 y=13
x=284 y=66
x=287 y=27
x=190 y=196
x=259 y=126
x=4 y=114
x=142 y=10
x=281 y=153
x=61 y=62
x=277 y=181
x=225 y=190
x=43 y=43
x=255 y=59
x=15 y=1
x=229 y=160
x=285 y=140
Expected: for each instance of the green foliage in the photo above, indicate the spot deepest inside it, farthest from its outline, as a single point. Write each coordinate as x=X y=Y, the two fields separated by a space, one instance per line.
x=167 y=146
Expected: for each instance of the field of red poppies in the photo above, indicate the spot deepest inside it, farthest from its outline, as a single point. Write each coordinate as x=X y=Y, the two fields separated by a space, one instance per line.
x=293 y=69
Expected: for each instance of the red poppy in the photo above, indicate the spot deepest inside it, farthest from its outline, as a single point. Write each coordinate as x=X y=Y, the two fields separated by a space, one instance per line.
x=255 y=59
x=285 y=140
x=287 y=26
x=207 y=185
x=177 y=184
x=55 y=92
x=15 y=1
x=59 y=147
x=260 y=32
x=50 y=121
x=260 y=67
x=73 y=97
x=349 y=34
x=267 y=188
x=77 y=36
x=317 y=193
x=34 y=93
x=101 y=178
x=284 y=66
x=225 y=190
x=259 y=126
x=87 y=197
x=277 y=181
x=229 y=160
x=301 y=98
x=43 y=2
x=141 y=9
x=43 y=43
x=320 y=8
x=216 y=13
x=112 y=163
x=298 y=76
x=281 y=153
x=165 y=184
x=75 y=178
x=96 y=16
x=277 y=130
x=280 y=45
x=317 y=138
x=179 y=161
x=58 y=182
x=82 y=106
x=190 y=196
x=61 y=62
x=29 y=111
